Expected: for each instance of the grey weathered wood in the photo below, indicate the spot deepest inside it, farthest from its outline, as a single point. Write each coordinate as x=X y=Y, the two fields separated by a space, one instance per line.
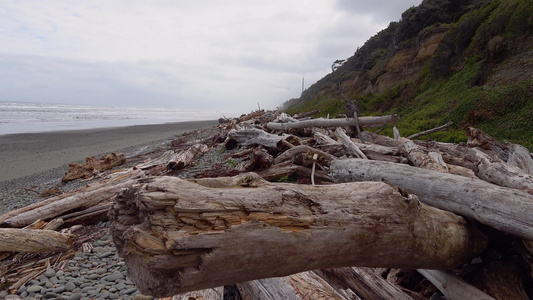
x=300 y=286
x=365 y=283
x=349 y=144
x=348 y=122
x=429 y=131
x=207 y=294
x=34 y=240
x=453 y=287
x=498 y=172
x=419 y=158
x=254 y=136
x=76 y=200
x=178 y=235
x=503 y=208
x=519 y=156
x=325 y=158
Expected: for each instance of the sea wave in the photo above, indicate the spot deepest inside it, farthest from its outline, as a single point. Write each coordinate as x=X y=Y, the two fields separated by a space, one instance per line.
x=24 y=117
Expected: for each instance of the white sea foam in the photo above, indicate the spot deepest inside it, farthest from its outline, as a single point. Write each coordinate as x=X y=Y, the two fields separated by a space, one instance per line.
x=19 y=117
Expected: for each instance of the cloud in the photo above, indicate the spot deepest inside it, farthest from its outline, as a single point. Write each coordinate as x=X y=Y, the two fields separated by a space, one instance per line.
x=181 y=54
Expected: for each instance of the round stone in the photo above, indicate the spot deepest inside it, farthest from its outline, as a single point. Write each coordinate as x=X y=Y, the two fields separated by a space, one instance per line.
x=76 y=296
x=70 y=286
x=59 y=290
x=34 y=289
x=116 y=275
x=50 y=273
x=101 y=271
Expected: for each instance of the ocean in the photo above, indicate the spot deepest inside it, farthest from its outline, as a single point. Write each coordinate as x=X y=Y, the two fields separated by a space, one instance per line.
x=24 y=117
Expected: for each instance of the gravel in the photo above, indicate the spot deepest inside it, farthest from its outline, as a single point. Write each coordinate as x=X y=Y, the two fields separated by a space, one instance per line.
x=100 y=273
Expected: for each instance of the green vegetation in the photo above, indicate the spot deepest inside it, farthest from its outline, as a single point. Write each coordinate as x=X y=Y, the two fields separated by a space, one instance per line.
x=232 y=162
x=451 y=84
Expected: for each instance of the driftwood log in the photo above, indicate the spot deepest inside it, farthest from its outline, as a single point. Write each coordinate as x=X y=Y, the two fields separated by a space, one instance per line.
x=300 y=286
x=453 y=287
x=31 y=240
x=365 y=283
x=77 y=200
x=505 y=209
x=178 y=235
x=92 y=166
x=347 y=122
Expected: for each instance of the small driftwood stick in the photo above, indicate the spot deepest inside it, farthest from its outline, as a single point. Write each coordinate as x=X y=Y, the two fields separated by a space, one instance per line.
x=285 y=169
x=324 y=158
x=177 y=235
x=429 y=131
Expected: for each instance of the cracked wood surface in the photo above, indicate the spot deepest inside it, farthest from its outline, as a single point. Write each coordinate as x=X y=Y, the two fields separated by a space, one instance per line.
x=178 y=235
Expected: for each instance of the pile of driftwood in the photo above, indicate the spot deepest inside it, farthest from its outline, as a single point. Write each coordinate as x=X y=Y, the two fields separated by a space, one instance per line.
x=370 y=217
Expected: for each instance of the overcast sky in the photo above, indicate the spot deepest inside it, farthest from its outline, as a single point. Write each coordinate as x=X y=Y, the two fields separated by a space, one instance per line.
x=203 y=54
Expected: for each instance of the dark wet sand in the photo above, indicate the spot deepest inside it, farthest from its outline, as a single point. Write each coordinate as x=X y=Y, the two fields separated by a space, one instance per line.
x=29 y=153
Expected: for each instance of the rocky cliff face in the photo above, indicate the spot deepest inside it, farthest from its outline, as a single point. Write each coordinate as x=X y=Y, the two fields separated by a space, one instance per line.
x=452 y=57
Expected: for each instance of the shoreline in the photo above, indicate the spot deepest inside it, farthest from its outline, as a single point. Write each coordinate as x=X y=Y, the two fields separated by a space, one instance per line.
x=41 y=159
x=26 y=154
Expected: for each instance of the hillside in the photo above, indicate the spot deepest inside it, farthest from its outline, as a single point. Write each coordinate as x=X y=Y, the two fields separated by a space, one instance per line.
x=470 y=62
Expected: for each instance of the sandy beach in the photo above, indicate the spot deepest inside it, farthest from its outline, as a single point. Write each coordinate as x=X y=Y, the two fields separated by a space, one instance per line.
x=26 y=154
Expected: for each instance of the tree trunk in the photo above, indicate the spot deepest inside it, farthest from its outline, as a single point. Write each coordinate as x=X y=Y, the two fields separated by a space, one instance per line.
x=178 y=235
x=286 y=169
x=348 y=122
x=300 y=286
x=31 y=240
x=508 y=210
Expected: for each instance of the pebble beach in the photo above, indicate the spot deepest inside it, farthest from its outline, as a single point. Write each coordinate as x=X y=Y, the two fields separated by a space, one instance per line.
x=98 y=273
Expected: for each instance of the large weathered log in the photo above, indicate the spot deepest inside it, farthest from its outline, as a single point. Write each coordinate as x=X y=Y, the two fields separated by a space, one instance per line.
x=519 y=156
x=499 y=172
x=365 y=283
x=77 y=200
x=348 y=122
x=508 y=210
x=31 y=240
x=300 y=286
x=253 y=136
x=178 y=235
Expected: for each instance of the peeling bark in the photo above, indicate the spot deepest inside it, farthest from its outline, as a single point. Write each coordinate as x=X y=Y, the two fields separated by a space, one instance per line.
x=178 y=235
